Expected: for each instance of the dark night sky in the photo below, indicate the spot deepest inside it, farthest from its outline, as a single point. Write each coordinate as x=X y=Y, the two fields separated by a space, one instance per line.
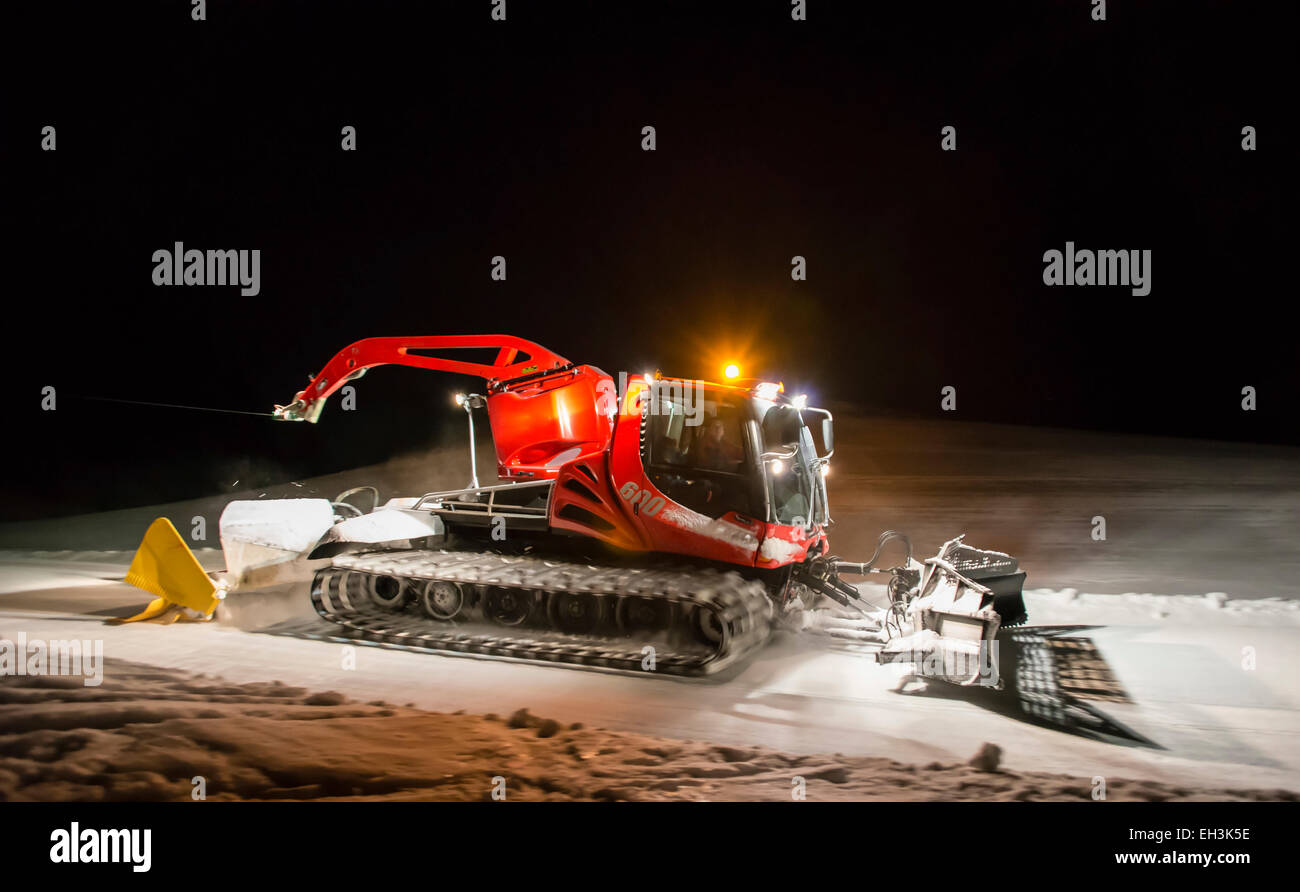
x=522 y=139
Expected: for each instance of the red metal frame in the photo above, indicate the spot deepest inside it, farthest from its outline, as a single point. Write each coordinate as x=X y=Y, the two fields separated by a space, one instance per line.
x=553 y=420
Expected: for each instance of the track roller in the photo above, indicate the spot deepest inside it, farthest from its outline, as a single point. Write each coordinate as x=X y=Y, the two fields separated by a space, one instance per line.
x=442 y=600
x=637 y=615
x=507 y=606
x=576 y=612
x=388 y=592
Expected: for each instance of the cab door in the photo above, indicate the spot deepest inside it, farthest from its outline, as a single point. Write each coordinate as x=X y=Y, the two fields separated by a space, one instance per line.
x=688 y=480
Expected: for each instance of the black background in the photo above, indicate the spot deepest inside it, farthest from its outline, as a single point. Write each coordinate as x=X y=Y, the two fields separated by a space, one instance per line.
x=299 y=842
x=775 y=138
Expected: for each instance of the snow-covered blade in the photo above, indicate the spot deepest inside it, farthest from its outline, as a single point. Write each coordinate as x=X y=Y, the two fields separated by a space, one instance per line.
x=262 y=539
x=282 y=540
x=392 y=524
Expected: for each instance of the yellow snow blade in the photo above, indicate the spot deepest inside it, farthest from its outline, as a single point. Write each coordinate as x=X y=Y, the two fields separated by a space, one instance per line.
x=164 y=566
x=157 y=607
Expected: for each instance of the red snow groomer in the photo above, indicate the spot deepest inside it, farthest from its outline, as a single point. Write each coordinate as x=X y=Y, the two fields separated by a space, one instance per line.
x=653 y=523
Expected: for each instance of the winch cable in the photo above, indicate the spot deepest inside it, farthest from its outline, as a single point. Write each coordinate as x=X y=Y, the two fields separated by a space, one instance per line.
x=107 y=399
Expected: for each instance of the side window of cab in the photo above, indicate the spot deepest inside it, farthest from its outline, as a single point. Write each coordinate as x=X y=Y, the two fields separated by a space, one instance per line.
x=696 y=451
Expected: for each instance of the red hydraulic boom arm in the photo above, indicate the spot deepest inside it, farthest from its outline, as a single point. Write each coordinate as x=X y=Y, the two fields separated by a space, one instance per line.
x=515 y=358
x=544 y=410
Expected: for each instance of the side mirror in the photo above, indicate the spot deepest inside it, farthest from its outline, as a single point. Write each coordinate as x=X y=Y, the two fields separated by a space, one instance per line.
x=828 y=435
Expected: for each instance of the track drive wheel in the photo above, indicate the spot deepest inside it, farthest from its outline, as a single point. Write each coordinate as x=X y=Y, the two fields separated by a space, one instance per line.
x=576 y=612
x=442 y=600
x=507 y=606
x=709 y=626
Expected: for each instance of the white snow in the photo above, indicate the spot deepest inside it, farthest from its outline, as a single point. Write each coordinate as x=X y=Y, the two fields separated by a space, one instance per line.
x=779 y=550
x=1048 y=606
x=719 y=530
x=1220 y=723
x=292 y=525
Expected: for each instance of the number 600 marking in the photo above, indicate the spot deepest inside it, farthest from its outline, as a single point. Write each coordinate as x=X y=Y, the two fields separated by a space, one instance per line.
x=636 y=496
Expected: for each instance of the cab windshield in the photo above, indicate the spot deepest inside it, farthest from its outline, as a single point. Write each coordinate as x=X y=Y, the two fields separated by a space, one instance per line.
x=790 y=477
x=701 y=448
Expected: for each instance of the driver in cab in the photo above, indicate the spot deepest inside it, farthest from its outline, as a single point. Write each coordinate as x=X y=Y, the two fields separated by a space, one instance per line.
x=716 y=451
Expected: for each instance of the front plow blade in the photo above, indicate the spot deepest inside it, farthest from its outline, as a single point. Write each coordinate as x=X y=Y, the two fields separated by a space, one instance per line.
x=165 y=567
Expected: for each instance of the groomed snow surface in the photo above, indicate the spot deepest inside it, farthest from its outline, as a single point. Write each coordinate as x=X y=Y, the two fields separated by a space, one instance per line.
x=1191 y=601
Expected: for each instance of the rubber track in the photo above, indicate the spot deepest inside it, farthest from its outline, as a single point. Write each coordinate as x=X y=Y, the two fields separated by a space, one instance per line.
x=339 y=595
